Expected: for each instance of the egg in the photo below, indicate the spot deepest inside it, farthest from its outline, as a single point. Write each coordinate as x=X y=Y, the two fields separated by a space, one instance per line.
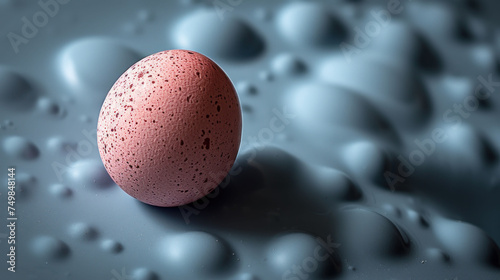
x=169 y=129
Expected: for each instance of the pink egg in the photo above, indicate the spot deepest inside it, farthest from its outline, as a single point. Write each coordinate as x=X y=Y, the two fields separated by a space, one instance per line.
x=170 y=128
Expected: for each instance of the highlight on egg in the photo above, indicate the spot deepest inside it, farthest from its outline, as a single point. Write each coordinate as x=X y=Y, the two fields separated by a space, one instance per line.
x=169 y=129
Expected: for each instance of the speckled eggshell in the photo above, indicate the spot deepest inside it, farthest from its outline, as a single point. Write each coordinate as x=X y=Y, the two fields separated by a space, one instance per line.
x=169 y=129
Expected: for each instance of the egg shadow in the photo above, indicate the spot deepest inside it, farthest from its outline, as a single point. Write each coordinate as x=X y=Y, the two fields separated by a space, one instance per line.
x=261 y=196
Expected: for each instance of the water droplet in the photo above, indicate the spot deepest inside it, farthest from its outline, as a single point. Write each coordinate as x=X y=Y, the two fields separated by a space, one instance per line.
x=50 y=248
x=203 y=31
x=20 y=147
x=83 y=232
x=309 y=24
x=80 y=58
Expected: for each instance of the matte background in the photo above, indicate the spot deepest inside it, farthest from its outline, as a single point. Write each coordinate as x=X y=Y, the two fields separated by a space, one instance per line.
x=369 y=150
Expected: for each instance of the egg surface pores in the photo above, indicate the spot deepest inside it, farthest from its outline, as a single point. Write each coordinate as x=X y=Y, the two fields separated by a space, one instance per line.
x=169 y=129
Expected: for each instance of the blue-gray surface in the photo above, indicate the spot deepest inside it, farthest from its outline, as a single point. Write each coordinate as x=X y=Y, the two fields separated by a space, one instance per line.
x=370 y=146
